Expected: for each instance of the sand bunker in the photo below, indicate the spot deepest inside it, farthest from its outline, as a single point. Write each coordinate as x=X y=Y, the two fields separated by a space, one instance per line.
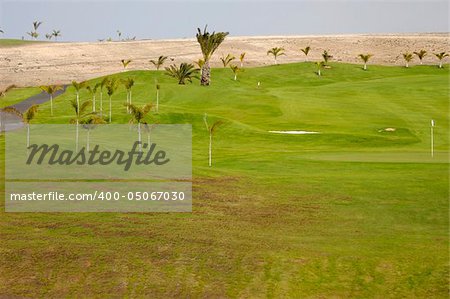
x=294 y=132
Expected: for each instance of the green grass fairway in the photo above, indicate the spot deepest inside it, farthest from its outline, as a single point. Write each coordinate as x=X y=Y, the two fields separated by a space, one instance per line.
x=4 y=42
x=354 y=211
x=17 y=95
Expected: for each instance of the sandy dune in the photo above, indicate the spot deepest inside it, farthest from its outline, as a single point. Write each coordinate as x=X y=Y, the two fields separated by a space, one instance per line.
x=58 y=63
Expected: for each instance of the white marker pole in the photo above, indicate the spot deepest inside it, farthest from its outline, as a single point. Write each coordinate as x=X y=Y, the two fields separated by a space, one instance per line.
x=432 y=138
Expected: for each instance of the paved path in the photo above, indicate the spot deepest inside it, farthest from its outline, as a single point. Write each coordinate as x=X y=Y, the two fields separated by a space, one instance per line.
x=10 y=121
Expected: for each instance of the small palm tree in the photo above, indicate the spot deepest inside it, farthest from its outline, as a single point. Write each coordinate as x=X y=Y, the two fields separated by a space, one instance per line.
x=159 y=62
x=365 y=58
x=27 y=117
x=1 y=31
x=80 y=114
x=50 y=90
x=211 y=130
x=36 y=25
x=209 y=42
x=320 y=65
x=56 y=34
x=421 y=54
x=111 y=87
x=235 y=69
x=93 y=91
x=276 y=52
x=326 y=57
x=185 y=72
x=407 y=57
x=226 y=60
x=89 y=124
x=138 y=115
x=441 y=57
x=33 y=34
x=49 y=36
x=306 y=51
x=241 y=59
x=78 y=87
x=125 y=63
x=128 y=84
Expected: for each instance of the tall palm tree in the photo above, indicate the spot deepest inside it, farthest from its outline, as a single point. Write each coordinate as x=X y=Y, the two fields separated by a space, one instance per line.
x=89 y=124
x=306 y=51
x=441 y=57
x=211 y=130
x=36 y=25
x=111 y=87
x=50 y=90
x=93 y=91
x=407 y=57
x=241 y=58
x=159 y=62
x=276 y=52
x=365 y=58
x=80 y=113
x=102 y=85
x=128 y=83
x=185 y=72
x=138 y=115
x=235 y=69
x=320 y=65
x=56 y=34
x=226 y=60
x=326 y=57
x=209 y=42
x=78 y=87
x=27 y=117
x=421 y=54
x=125 y=63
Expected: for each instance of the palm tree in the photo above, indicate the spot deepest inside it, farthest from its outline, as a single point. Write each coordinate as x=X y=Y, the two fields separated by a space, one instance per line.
x=50 y=90
x=276 y=52
x=27 y=117
x=128 y=84
x=184 y=72
x=306 y=51
x=211 y=130
x=441 y=57
x=93 y=91
x=80 y=113
x=125 y=63
x=159 y=62
x=241 y=58
x=102 y=84
x=36 y=25
x=48 y=36
x=56 y=34
x=78 y=87
x=111 y=87
x=227 y=60
x=408 y=57
x=421 y=54
x=320 y=65
x=326 y=57
x=148 y=128
x=365 y=58
x=209 y=42
x=138 y=115
x=1 y=31
x=158 y=87
x=119 y=34
x=33 y=34
x=89 y=124
x=235 y=69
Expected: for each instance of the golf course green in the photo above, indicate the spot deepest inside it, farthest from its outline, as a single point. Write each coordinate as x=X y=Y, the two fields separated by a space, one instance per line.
x=358 y=210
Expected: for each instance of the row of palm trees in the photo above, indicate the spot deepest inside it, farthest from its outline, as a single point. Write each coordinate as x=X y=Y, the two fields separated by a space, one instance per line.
x=34 y=34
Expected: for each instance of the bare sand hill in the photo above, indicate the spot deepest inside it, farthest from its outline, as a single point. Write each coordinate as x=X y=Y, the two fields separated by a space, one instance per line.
x=59 y=63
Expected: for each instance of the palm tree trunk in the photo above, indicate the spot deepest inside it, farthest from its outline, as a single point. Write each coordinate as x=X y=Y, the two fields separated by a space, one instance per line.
x=51 y=105
x=235 y=77
x=210 y=150
x=128 y=102
x=101 y=103
x=78 y=101
x=242 y=64
x=93 y=104
x=130 y=96
x=76 y=137
x=148 y=137
x=365 y=66
x=157 y=100
x=110 y=109
x=276 y=60
x=139 y=137
x=318 y=72
x=28 y=135
x=206 y=74
x=407 y=64
x=440 y=64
